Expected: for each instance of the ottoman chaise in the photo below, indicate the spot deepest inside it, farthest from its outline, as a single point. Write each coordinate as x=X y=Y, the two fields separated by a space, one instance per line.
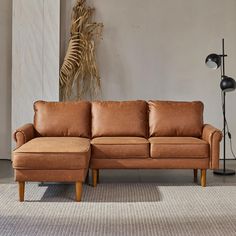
x=56 y=147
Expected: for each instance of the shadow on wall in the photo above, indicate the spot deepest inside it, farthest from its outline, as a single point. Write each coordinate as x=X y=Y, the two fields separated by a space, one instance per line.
x=108 y=59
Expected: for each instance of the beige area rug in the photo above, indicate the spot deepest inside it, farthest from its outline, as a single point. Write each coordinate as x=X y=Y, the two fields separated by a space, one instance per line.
x=119 y=209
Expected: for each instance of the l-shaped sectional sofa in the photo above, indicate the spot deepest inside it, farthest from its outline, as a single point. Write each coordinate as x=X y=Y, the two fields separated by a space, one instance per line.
x=68 y=138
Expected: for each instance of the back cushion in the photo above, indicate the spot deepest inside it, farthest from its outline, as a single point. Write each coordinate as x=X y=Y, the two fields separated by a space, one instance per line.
x=184 y=119
x=61 y=119
x=128 y=118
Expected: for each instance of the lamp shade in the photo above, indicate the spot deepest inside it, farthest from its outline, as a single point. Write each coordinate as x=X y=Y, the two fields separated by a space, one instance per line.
x=213 y=61
x=227 y=84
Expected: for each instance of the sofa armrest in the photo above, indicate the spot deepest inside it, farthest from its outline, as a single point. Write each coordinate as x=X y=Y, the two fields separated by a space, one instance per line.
x=24 y=134
x=213 y=136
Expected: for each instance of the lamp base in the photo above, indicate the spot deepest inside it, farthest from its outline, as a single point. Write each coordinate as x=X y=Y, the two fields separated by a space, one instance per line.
x=224 y=172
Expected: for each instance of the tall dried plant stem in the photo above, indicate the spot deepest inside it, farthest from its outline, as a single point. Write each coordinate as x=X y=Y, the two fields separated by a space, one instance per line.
x=79 y=66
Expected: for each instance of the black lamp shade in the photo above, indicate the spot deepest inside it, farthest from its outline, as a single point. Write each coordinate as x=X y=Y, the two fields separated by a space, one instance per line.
x=227 y=84
x=213 y=61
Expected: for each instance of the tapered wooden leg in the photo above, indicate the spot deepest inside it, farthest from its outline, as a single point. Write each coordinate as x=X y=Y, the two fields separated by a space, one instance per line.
x=78 y=190
x=95 y=177
x=203 y=178
x=21 y=186
x=195 y=175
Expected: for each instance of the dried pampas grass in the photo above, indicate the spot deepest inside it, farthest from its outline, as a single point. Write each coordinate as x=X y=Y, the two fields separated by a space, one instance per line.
x=79 y=66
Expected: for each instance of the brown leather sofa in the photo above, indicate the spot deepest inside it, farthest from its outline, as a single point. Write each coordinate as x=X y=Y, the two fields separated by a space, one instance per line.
x=67 y=138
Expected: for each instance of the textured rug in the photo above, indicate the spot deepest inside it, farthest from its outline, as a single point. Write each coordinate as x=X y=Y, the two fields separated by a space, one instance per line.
x=119 y=209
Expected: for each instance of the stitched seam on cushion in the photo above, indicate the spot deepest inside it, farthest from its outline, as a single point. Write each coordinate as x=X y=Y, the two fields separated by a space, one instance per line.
x=185 y=156
x=211 y=135
x=22 y=168
x=22 y=132
x=180 y=158
x=149 y=159
x=118 y=143
x=127 y=158
x=145 y=141
x=84 y=152
x=179 y=144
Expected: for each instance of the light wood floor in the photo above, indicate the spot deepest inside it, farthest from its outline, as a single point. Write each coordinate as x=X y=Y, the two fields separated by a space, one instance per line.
x=177 y=177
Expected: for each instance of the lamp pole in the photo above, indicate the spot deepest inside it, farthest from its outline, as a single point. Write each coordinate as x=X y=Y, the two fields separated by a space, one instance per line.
x=224 y=171
x=224 y=141
x=224 y=115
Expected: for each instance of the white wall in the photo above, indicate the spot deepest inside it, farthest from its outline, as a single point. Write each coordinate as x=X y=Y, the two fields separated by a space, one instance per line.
x=155 y=49
x=35 y=56
x=5 y=78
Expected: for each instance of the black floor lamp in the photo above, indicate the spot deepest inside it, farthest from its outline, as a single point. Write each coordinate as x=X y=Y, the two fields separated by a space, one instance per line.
x=227 y=84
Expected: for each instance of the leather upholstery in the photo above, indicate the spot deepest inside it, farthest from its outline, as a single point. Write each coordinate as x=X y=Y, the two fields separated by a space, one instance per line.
x=128 y=118
x=24 y=134
x=150 y=163
x=58 y=119
x=175 y=119
x=56 y=153
x=51 y=175
x=178 y=147
x=120 y=147
x=119 y=141
x=212 y=136
x=51 y=161
x=57 y=147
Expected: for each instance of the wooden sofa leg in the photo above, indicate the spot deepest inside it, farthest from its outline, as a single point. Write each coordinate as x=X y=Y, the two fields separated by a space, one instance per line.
x=95 y=177
x=195 y=175
x=78 y=190
x=203 y=177
x=21 y=186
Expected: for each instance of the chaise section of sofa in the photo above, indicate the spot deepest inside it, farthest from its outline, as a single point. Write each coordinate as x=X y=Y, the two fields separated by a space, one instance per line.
x=56 y=147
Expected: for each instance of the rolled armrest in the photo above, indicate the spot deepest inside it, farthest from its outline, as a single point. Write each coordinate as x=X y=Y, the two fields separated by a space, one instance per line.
x=213 y=136
x=24 y=134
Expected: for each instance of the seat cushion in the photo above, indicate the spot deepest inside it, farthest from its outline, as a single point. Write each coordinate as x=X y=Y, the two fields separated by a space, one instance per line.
x=54 y=153
x=175 y=119
x=120 y=147
x=116 y=119
x=178 y=147
x=62 y=119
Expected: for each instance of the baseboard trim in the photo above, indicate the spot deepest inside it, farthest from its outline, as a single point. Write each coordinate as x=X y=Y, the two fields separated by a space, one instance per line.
x=4 y=159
